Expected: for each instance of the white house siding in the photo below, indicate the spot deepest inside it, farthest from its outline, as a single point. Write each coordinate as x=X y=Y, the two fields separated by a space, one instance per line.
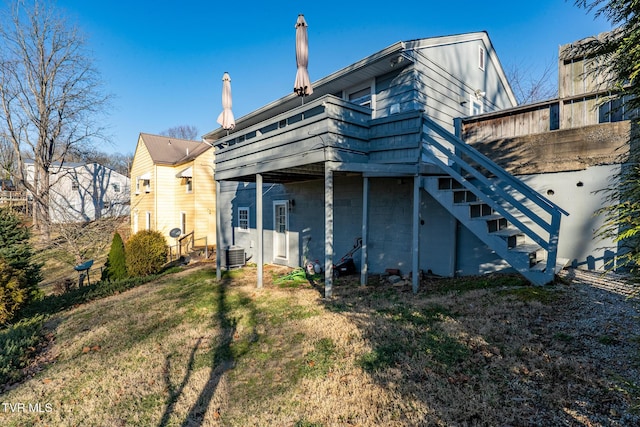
x=399 y=91
x=87 y=192
x=449 y=75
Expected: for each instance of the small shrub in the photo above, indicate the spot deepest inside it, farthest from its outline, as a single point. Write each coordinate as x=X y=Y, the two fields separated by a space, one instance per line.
x=115 y=267
x=145 y=253
x=17 y=344
x=13 y=291
x=17 y=252
x=62 y=286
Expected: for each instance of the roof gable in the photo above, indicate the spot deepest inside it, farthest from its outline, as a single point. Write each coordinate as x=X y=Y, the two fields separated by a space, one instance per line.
x=172 y=151
x=371 y=66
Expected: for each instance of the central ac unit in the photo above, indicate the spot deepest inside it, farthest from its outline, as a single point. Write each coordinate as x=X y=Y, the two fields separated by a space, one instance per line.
x=235 y=257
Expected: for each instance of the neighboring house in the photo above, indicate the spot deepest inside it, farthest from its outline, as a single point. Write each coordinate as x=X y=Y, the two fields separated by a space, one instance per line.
x=568 y=149
x=173 y=187
x=372 y=154
x=82 y=192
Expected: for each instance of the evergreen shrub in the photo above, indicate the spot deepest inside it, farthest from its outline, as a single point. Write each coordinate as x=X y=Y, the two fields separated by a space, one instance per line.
x=145 y=253
x=19 y=272
x=115 y=267
x=13 y=291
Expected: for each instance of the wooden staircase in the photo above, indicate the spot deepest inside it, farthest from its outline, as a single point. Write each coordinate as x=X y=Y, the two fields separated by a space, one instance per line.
x=515 y=221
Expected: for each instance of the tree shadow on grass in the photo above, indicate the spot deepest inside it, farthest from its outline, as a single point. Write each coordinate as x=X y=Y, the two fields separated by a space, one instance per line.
x=174 y=393
x=484 y=350
x=224 y=355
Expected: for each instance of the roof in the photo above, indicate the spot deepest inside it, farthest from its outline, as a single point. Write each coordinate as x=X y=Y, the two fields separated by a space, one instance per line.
x=166 y=150
x=56 y=167
x=67 y=165
x=369 y=67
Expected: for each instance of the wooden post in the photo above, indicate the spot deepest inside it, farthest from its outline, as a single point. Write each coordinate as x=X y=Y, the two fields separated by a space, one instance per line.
x=365 y=230
x=259 y=227
x=218 y=233
x=328 y=231
x=415 y=260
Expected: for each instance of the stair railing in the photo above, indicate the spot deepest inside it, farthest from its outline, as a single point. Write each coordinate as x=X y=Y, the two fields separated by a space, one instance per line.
x=494 y=191
x=185 y=242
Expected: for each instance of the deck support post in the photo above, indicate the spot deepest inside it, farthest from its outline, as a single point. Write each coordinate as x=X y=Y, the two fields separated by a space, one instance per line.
x=328 y=231
x=218 y=233
x=365 y=230
x=259 y=228
x=415 y=259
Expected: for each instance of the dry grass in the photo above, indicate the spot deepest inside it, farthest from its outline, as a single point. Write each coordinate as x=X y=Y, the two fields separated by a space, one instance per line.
x=187 y=350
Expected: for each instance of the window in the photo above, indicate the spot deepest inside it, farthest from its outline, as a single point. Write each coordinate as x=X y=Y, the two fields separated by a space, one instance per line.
x=147 y=223
x=554 y=116
x=135 y=222
x=74 y=186
x=183 y=222
x=616 y=110
x=147 y=185
x=481 y=57
x=116 y=187
x=361 y=97
x=243 y=219
x=137 y=186
x=476 y=107
x=189 y=184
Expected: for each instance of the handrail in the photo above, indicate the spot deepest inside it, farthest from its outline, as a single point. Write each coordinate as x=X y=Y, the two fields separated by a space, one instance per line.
x=189 y=242
x=493 y=203
x=492 y=167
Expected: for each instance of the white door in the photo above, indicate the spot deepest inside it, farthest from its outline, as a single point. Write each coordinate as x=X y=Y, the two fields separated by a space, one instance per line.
x=280 y=227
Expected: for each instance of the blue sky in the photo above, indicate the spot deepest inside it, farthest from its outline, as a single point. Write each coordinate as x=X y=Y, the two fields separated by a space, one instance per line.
x=163 y=61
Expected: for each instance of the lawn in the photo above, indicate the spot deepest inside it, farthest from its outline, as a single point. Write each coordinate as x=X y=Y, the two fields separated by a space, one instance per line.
x=186 y=349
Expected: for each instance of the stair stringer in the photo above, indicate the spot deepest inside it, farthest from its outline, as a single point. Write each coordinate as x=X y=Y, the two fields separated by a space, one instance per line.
x=502 y=192
x=517 y=257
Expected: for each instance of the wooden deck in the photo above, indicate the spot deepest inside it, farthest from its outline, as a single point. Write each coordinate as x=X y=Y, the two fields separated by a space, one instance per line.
x=295 y=146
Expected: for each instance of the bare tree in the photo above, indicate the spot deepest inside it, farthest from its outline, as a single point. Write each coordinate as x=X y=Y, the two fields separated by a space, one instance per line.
x=81 y=241
x=529 y=86
x=182 y=132
x=7 y=159
x=50 y=94
x=119 y=162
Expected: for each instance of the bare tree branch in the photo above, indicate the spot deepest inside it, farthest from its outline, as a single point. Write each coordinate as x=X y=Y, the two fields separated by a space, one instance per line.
x=50 y=95
x=530 y=86
x=182 y=132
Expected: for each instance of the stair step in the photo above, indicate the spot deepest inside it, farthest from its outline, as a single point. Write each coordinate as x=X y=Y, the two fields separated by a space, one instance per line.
x=464 y=196
x=561 y=263
x=496 y=231
x=534 y=252
x=497 y=224
x=448 y=183
x=479 y=209
x=513 y=236
x=527 y=248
